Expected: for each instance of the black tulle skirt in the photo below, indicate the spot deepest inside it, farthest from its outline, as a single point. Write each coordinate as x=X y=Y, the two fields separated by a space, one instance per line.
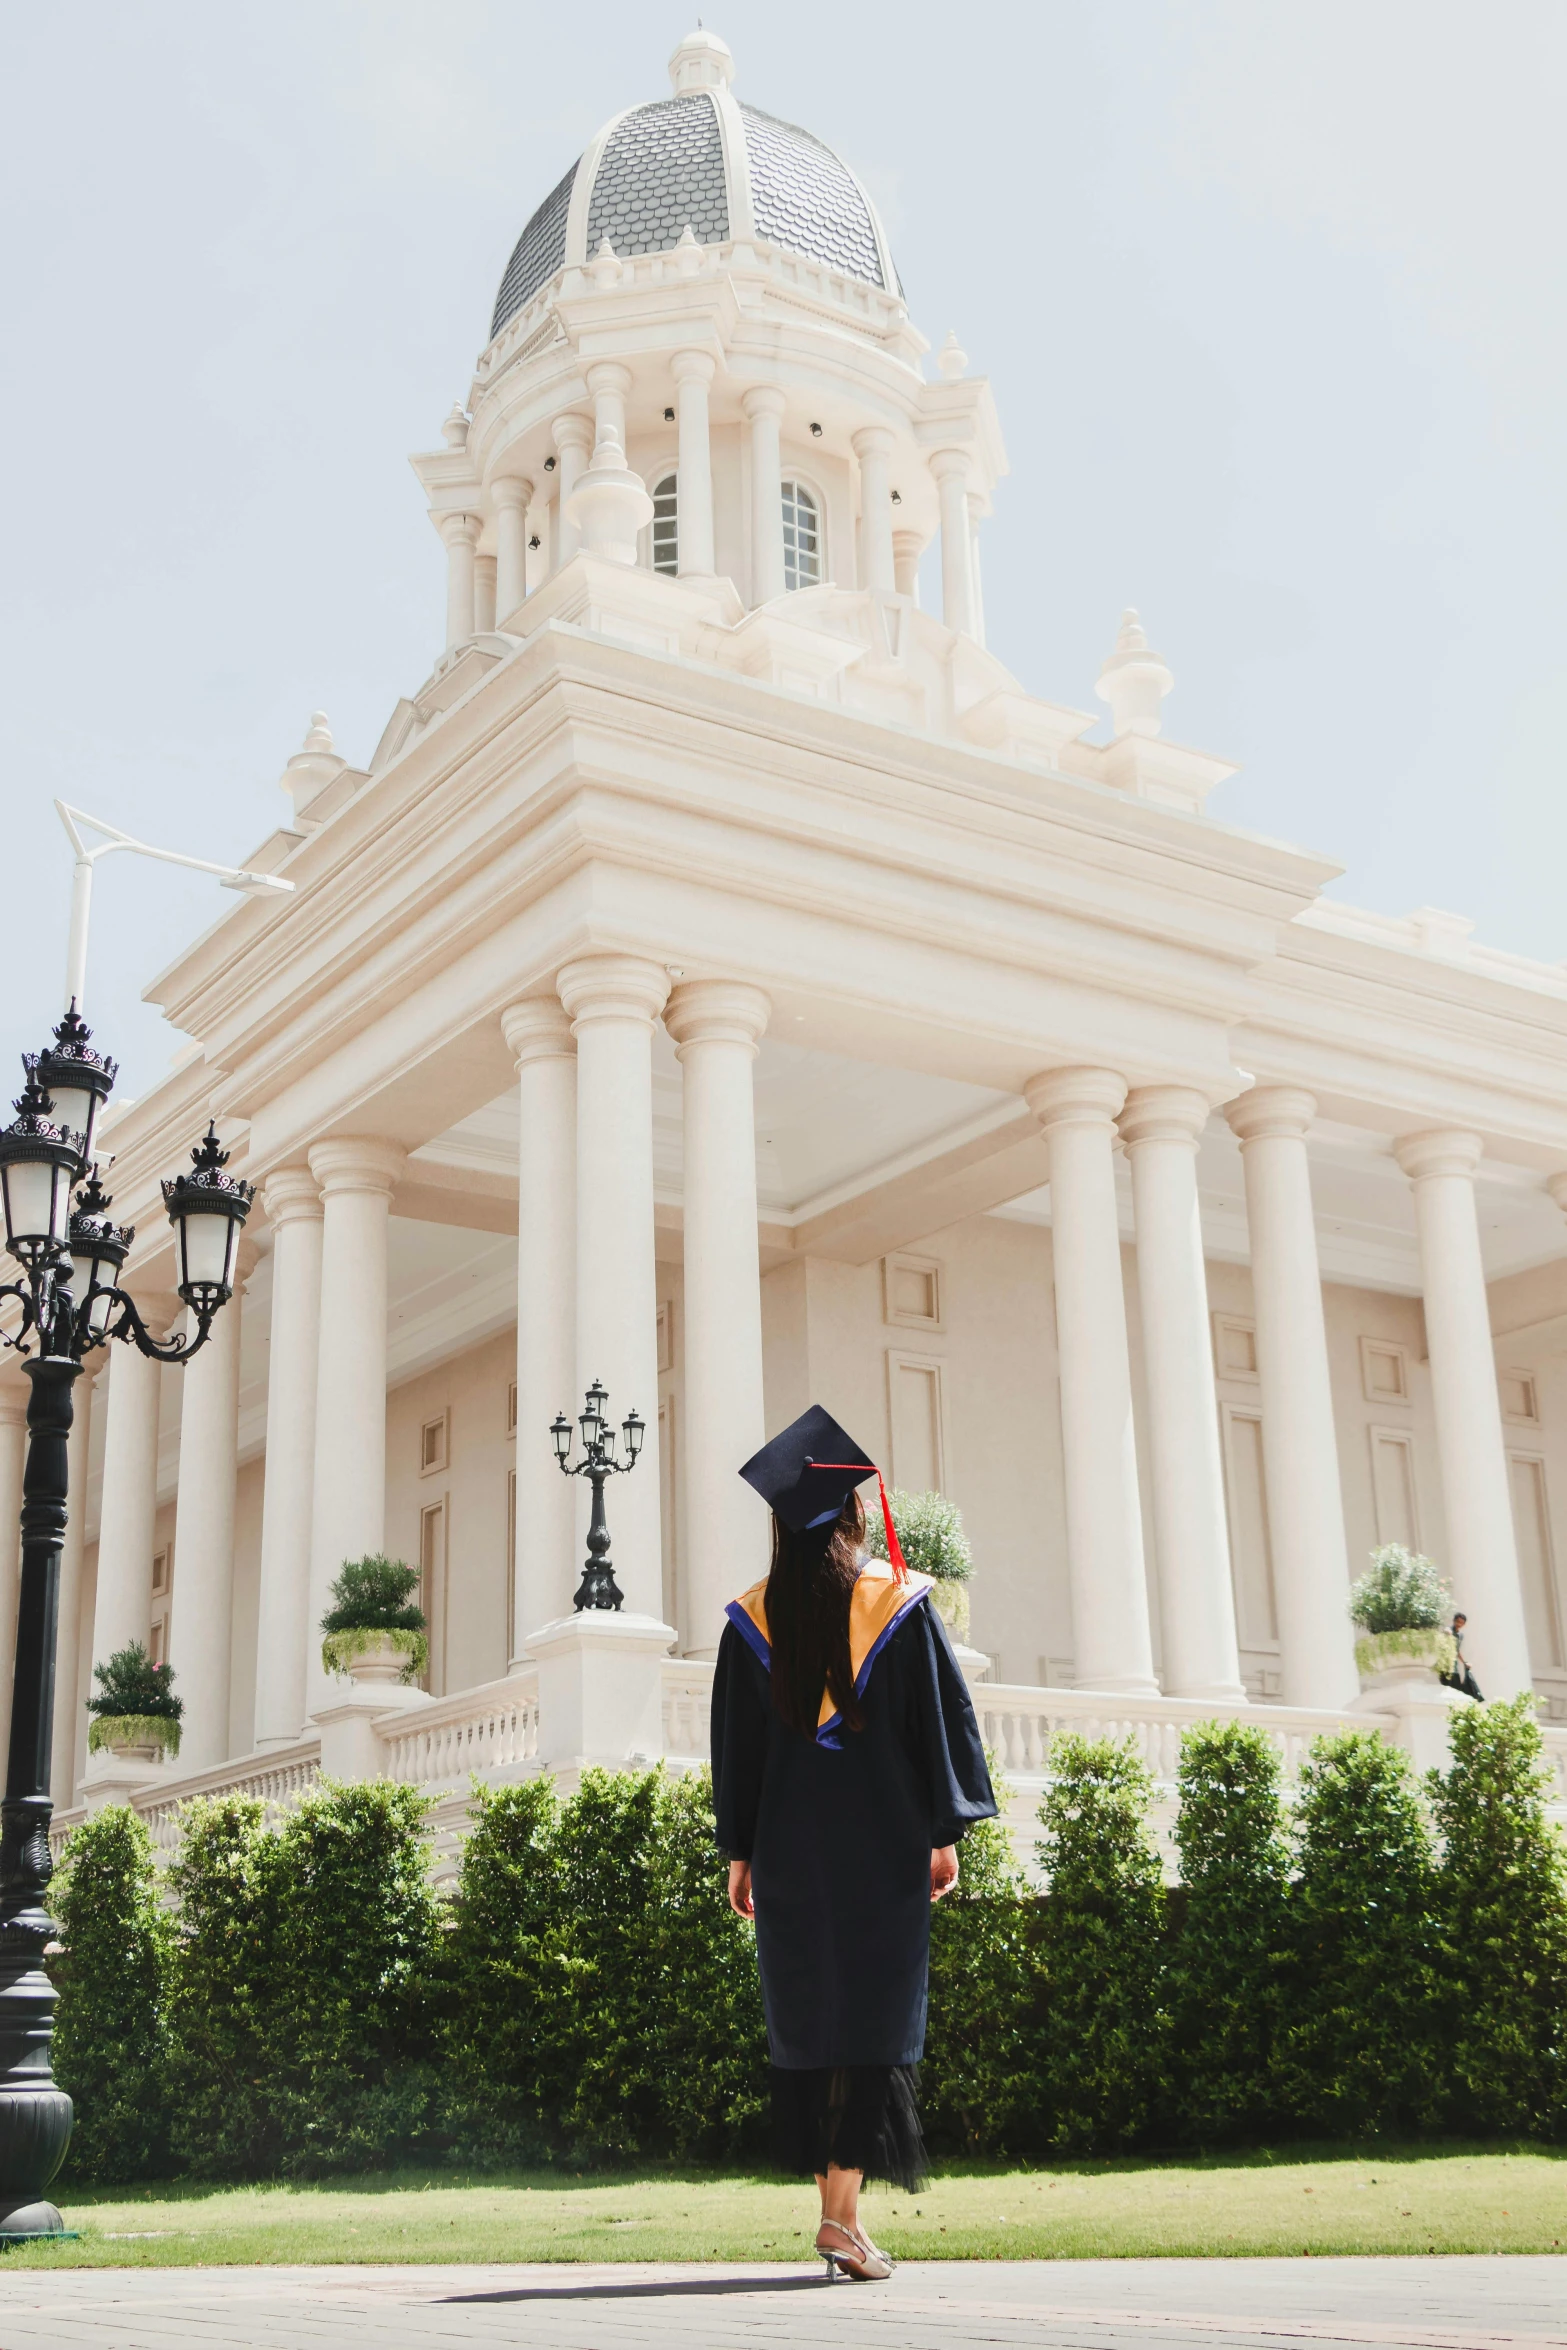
x=862 y=2117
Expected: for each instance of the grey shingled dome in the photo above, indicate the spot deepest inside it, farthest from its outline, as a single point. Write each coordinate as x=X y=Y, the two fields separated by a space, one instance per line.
x=663 y=165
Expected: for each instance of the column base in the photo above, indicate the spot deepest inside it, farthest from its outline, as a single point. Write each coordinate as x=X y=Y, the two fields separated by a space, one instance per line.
x=119 y=1778
x=601 y=1688
x=1135 y=1685
x=1215 y=1693
x=351 y=1745
x=1421 y=1708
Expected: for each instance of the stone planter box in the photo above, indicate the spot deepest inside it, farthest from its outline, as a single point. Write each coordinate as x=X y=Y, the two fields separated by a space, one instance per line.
x=376 y=1659
x=1381 y=1658
x=950 y=1601
x=135 y=1738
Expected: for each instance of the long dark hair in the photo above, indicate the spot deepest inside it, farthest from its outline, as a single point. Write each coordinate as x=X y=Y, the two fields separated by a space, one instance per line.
x=807 y=1604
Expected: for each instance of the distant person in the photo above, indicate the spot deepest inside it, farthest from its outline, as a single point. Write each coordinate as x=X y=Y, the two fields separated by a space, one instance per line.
x=1461 y=1677
x=847 y=1764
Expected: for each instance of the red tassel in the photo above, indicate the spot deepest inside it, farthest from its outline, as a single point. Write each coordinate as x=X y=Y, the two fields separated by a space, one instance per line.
x=895 y=1557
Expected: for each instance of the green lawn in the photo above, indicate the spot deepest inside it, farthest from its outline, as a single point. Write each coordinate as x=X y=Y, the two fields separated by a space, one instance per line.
x=1400 y=2200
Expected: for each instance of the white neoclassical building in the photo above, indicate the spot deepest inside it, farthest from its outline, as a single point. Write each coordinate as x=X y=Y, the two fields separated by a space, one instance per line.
x=727 y=981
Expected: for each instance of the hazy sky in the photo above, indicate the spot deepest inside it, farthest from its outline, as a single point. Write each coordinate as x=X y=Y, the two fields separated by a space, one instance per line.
x=1271 y=296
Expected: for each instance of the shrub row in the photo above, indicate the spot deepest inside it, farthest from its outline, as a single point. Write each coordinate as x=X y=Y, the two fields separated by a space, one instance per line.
x=1376 y=1958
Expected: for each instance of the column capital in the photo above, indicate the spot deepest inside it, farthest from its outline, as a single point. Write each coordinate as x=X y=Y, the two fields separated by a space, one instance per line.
x=1445 y=1150
x=613 y=987
x=872 y=440
x=1270 y=1111
x=572 y=432
x=537 y=1029
x=459 y=530
x=1075 y=1097
x=353 y=1162
x=290 y=1195
x=716 y=1011
x=693 y=367
x=608 y=375
x=763 y=400
x=510 y=493
x=1164 y=1113
x=944 y=463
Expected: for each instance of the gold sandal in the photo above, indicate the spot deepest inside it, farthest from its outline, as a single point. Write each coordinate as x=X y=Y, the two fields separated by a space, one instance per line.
x=864 y=2264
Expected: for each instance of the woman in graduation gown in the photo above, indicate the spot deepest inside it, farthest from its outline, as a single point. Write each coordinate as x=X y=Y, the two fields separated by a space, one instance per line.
x=847 y=1764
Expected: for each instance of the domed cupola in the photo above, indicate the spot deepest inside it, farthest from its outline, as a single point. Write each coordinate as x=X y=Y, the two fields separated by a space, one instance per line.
x=700 y=160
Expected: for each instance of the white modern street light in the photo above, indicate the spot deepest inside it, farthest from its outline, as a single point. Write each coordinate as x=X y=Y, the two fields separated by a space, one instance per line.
x=251 y=885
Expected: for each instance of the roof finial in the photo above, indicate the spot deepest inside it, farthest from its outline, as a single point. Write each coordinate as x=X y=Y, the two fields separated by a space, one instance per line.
x=455 y=429
x=701 y=62
x=1133 y=681
x=952 y=359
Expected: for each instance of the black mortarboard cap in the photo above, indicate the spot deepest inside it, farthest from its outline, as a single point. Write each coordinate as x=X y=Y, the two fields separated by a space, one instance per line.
x=784 y=1477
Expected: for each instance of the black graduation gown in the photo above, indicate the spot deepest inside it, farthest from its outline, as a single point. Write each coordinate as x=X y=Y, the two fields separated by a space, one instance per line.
x=839 y=1837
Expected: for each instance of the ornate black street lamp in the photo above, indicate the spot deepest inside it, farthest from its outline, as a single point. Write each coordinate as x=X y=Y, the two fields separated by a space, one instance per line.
x=70 y=1303
x=598 y=1587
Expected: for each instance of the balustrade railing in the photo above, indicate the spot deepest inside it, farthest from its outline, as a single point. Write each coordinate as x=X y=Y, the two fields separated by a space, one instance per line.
x=494 y=1728
x=276 y=1777
x=1017 y=1722
x=688 y=1698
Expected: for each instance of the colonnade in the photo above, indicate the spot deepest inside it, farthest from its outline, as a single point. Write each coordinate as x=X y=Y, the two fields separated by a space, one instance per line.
x=482 y=589
x=587 y=1310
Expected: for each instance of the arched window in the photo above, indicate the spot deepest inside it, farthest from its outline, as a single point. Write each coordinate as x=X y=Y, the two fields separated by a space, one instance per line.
x=666 y=525
x=802 y=537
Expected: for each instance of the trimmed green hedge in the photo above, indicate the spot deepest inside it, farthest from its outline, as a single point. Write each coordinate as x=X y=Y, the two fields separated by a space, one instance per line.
x=1389 y=1958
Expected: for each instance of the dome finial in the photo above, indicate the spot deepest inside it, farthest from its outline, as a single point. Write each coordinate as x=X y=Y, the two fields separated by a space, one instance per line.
x=701 y=62
x=952 y=359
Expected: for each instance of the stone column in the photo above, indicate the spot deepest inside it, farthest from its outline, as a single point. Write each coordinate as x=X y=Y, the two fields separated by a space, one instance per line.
x=539 y=1033
x=1161 y=1126
x=693 y=372
x=348 y=1507
x=573 y=437
x=292 y=1204
x=1299 y=1447
x=873 y=447
x=460 y=533
x=13 y=1452
x=716 y=1024
x=613 y=1001
x=128 y=1519
x=511 y=497
x=976 y=580
x=1482 y=1548
x=907 y=548
x=1112 y=1642
x=608 y=383
x=763 y=405
x=950 y=468
x=484 y=575
x=201 y=1620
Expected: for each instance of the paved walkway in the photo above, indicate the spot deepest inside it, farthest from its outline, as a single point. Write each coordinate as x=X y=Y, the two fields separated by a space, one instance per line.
x=1443 y=2304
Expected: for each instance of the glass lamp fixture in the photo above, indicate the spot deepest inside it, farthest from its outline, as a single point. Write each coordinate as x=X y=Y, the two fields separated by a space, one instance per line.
x=560 y=1429
x=99 y=1247
x=77 y=1079
x=207 y=1208
x=39 y=1161
x=591 y=1416
x=635 y=1429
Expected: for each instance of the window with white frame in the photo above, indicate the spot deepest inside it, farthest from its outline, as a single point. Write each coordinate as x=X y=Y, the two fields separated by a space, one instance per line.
x=666 y=525
x=802 y=537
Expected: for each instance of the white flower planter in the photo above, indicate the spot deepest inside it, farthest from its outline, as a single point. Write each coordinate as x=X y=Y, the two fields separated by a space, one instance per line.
x=1383 y=1658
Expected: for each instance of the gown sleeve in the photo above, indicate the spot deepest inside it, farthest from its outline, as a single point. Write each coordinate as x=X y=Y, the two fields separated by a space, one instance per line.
x=951 y=1751
x=739 y=1740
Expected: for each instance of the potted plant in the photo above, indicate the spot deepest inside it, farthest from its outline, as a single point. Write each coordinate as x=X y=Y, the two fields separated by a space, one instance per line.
x=136 y=1714
x=1400 y=1609
x=373 y=1630
x=931 y=1536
